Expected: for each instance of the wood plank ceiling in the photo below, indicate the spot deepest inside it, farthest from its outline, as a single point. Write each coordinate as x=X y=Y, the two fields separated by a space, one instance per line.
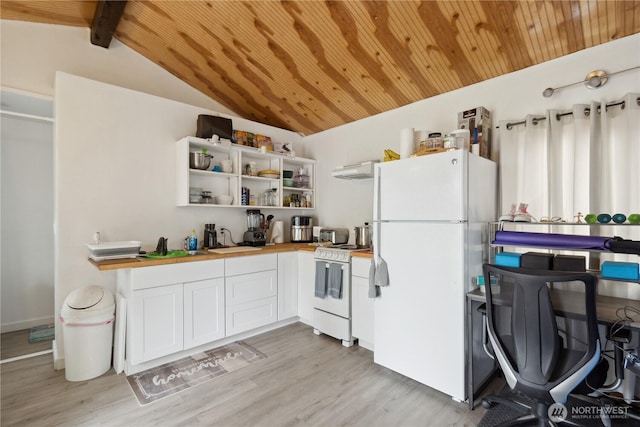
x=312 y=65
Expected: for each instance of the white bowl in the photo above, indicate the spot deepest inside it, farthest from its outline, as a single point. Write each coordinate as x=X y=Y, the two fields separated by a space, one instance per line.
x=223 y=200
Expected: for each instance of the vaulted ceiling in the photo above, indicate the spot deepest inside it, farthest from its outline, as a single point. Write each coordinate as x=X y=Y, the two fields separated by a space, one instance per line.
x=312 y=65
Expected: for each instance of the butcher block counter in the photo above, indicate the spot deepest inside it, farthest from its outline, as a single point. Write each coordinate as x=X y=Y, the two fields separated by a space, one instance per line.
x=141 y=261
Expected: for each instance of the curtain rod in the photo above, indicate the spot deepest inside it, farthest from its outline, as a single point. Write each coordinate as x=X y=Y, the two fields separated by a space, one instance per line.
x=587 y=110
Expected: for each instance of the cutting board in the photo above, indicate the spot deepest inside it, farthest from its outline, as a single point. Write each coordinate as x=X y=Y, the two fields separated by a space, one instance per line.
x=234 y=249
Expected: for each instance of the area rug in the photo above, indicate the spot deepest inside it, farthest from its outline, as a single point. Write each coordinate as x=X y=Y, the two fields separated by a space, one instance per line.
x=41 y=333
x=170 y=378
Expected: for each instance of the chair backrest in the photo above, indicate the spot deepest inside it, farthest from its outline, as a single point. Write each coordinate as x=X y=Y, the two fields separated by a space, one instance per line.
x=543 y=328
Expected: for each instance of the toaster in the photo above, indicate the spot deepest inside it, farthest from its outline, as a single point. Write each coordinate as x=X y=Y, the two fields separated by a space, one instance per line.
x=336 y=236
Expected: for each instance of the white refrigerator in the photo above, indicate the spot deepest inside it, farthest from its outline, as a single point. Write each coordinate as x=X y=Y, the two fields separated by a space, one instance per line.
x=431 y=217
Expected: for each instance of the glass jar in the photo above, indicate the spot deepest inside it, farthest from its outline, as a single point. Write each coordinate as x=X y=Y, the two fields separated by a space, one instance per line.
x=301 y=179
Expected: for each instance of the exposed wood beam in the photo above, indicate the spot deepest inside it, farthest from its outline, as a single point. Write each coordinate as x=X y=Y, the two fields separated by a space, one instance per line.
x=105 y=21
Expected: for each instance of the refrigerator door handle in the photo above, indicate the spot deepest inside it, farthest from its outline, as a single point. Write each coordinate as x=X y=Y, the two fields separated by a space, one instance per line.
x=376 y=214
x=376 y=194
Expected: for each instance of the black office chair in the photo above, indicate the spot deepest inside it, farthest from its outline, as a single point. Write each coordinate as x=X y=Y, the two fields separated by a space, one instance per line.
x=543 y=357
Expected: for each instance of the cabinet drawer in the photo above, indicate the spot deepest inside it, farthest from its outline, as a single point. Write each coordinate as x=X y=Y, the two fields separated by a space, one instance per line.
x=160 y=275
x=251 y=287
x=250 y=315
x=360 y=267
x=250 y=264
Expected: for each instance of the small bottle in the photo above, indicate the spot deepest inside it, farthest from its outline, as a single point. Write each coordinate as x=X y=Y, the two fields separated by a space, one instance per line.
x=193 y=241
x=244 y=198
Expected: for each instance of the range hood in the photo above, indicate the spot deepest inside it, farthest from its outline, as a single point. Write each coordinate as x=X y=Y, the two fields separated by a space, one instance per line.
x=360 y=170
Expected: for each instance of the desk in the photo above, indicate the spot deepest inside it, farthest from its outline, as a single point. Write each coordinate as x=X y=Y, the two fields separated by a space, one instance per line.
x=481 y=368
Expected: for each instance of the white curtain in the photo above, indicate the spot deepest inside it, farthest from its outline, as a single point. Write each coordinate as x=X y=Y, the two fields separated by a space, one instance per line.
x=586 y=159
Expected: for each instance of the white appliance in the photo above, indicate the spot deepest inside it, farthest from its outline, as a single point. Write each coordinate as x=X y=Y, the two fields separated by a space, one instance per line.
x=332 y=316
x=430 y=227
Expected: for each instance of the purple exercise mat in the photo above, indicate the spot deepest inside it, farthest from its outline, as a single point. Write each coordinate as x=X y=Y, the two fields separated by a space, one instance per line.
x=569 y=241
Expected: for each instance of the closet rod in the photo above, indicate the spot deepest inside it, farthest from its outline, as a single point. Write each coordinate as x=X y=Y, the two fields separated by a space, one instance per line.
x=587 y=110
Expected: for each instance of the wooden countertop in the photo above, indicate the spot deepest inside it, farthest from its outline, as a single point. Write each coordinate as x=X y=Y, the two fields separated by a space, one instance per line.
x=137 y=262
x=363 y=254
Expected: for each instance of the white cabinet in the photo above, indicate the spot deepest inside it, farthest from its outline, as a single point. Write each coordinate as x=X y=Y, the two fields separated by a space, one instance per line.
x=203 y=312
x=306 y=284
x=221 y=183
x=172 y=307
x=287 y=285
x=363 y=306
x=177 y=307
x=251 y=286
x=157 y=323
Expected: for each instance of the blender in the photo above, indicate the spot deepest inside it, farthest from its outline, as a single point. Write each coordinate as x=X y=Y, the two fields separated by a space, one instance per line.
x=255 y=234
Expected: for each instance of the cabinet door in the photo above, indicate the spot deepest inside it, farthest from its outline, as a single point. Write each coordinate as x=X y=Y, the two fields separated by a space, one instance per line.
x=287 y=285
x=306 y=283
x=362 y=312
x=156 y=323
x=203 y=312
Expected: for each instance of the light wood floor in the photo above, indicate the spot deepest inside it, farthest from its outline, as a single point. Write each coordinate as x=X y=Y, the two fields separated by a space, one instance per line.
x=13 y=344
x=306 y=380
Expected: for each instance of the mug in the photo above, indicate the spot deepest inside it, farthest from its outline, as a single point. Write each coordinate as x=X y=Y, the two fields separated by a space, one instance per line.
x=227 y=166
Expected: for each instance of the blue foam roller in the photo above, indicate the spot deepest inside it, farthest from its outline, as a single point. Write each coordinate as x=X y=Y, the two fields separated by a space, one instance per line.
x=620 y=270
x=508 y=259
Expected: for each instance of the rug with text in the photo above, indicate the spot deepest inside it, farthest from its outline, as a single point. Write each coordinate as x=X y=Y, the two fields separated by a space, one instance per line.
x=165 y=380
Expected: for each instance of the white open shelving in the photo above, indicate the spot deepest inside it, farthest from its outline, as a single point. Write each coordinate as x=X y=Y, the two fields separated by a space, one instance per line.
x=221 y=183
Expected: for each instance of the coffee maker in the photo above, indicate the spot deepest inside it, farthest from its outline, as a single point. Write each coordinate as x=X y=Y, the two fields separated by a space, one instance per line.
x=255 y=234
x=210 y=238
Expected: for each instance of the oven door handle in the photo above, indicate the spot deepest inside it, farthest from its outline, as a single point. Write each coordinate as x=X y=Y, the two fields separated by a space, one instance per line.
x=326 y=264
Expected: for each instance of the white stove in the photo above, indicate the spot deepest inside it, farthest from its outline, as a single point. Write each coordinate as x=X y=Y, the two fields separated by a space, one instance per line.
x=332 y=298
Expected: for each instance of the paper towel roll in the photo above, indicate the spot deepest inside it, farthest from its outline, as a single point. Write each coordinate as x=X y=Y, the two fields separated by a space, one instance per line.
x=406 y=143
x=277 y=232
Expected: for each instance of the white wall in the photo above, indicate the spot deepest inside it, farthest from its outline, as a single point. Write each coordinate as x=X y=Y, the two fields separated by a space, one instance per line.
x=32 y=53
x=509 y=97
x=30 y=56
x=115 y=172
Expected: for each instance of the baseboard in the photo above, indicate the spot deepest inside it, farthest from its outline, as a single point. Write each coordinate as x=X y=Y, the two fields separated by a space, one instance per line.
x=365 y=344
x=25 y=324
x=305 y=321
